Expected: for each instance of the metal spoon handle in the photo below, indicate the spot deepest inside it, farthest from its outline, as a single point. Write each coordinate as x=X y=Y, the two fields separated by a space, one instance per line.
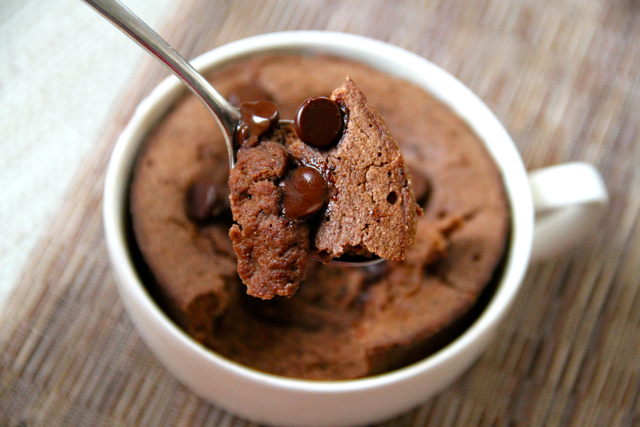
x=123 y=18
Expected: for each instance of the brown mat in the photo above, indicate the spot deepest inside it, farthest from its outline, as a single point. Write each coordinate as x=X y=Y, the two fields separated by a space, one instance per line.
x=564 y=78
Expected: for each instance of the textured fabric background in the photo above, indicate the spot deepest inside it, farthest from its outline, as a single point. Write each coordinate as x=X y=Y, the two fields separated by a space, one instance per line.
x=564 y=79
x=61 y=70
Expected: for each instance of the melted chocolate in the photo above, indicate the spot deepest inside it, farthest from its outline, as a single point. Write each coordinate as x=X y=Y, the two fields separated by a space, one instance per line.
x=203 y=200
x=319 y=122
x=258 y=118
x=304 y=192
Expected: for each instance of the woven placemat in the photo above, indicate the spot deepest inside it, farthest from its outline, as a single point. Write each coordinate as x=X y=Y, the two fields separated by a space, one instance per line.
x=564 y=79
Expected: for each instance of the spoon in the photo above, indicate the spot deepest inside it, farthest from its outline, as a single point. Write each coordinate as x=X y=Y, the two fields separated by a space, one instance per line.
x=128 y=22
x=225 y=114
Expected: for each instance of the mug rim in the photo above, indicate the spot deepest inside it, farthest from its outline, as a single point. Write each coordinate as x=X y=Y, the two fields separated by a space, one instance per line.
x=361 y=49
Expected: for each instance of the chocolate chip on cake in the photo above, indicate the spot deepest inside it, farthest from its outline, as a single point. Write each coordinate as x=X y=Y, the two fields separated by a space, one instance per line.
x=303 y=193
x=374 y=209
x=204 y=200
x=319 y=122
x=257 y=118
x=272 y=249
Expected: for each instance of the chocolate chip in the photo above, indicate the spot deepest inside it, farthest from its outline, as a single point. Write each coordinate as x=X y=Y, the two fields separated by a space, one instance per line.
x=258 y=118
x=319 y=122
x=203 y=200
x=250 y=92
x=304 y=192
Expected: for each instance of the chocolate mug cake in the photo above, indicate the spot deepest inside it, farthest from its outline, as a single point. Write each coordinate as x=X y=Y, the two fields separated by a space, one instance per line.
x=342 y=322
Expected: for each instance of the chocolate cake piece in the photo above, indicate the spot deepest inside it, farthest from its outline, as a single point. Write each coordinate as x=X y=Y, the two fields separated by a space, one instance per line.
x=374 y=208
x=272 y=248
x=371 y=209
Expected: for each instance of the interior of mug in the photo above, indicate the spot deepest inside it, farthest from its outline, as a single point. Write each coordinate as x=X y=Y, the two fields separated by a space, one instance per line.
x=391 y=60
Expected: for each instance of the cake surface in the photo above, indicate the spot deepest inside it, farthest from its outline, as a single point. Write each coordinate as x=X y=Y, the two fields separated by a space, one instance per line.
x=342 y=322
x=272 y=249
x=372 y=209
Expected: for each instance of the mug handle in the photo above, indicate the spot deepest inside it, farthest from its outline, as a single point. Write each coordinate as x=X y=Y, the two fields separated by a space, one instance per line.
x=568 y=200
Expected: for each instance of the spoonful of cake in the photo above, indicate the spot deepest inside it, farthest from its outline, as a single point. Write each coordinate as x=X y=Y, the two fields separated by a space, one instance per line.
x=342 y=196
x=330 y=185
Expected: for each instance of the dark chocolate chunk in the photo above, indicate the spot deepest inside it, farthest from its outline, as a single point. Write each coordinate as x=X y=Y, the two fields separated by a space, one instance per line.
x=319 y=121
x=258 y=118
x=202 y=200
x=304 y=192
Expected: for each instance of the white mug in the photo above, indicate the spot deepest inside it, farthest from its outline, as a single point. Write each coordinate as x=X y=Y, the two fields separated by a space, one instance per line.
x=569 y=199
